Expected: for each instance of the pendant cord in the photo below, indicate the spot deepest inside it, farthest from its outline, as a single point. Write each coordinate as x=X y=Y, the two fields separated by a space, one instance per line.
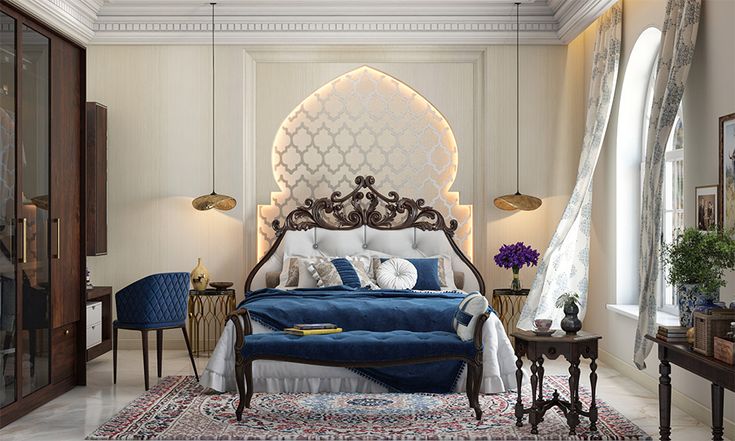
x=213 y=93
x=518 y=99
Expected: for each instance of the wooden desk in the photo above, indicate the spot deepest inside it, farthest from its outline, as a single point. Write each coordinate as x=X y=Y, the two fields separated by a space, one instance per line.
x=720 y=374
x=102 y=294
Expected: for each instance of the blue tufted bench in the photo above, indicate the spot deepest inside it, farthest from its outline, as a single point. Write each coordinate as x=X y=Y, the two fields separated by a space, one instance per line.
x=354 y=349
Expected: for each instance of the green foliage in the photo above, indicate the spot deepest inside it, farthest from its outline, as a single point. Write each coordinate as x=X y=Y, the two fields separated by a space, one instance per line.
x=566 y=299
x=699 y=258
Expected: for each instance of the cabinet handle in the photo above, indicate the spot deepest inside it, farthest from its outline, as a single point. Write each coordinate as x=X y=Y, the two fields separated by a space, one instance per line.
x=23 y=223
x=66 y=332
x=57 y=221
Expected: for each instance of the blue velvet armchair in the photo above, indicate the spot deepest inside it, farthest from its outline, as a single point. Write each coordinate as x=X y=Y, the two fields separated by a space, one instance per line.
x=156 y=302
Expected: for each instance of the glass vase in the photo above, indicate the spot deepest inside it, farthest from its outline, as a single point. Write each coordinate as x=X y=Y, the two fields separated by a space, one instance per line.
x=515 y=285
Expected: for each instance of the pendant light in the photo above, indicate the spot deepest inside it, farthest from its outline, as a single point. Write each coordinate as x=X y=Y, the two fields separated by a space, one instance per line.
x=517 y=201
x=213 y=200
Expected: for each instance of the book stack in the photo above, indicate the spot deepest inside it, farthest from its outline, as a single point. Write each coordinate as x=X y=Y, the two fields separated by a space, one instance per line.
x=672 y=334
x=313 y=329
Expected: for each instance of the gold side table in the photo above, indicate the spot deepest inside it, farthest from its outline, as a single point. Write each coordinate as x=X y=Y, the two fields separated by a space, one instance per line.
x=509 y=304
x=208 y=311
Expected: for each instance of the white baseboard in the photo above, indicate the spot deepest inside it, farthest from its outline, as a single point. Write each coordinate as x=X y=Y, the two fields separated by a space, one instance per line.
x=694 y=408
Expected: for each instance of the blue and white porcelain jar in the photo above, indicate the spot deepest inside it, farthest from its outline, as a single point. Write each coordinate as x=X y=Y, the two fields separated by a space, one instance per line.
x=689 y=296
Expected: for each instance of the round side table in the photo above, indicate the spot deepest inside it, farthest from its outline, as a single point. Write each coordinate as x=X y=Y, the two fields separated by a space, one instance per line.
x=509 y=304
x=208 y=311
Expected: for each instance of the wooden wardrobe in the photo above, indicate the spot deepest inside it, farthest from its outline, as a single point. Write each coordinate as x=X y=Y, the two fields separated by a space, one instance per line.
x=42 y=258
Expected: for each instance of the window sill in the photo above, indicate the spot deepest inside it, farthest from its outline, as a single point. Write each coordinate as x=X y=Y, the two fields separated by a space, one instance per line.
x=631 y=311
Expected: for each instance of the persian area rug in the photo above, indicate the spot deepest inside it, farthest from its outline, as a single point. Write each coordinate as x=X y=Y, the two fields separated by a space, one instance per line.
x=178 y=408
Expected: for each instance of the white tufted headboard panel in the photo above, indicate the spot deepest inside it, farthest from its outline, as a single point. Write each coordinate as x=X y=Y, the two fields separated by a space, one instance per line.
x=408 y=242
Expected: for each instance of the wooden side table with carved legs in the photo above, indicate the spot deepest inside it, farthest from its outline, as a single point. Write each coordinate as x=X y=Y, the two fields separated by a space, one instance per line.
x=572 y=347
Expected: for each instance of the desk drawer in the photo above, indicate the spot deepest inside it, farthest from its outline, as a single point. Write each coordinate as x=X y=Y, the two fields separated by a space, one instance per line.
x=94 y=313
x=94 y=334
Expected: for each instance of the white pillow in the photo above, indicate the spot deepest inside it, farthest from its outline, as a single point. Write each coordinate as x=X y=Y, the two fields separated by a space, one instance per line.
x=468 y=311
x=397 y=273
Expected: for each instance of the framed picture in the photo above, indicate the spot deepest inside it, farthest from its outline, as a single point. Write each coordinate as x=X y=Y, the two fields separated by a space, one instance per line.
x=707 y=209
x=727 y=172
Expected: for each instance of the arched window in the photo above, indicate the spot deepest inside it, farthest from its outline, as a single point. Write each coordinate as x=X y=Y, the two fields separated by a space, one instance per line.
x=633 y=116
x=673 y=203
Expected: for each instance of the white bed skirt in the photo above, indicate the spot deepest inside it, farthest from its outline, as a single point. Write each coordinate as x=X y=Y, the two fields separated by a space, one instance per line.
x=277 y=376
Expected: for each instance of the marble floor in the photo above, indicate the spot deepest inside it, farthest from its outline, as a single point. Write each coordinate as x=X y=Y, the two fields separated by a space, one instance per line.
x=80 y=411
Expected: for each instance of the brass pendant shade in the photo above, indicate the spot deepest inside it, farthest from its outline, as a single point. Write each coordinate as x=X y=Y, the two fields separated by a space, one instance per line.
x=517 y=201
x=213 y=200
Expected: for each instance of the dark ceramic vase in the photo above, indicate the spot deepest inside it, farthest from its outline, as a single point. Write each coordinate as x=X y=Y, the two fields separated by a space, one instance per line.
x=571 y=323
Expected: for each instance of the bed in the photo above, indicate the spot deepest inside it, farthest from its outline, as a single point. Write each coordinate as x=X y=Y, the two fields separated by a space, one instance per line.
x=363 y=224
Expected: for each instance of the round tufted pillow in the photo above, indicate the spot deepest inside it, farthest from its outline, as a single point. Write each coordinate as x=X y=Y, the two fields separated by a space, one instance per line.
x=468 y=311
x=397 y=273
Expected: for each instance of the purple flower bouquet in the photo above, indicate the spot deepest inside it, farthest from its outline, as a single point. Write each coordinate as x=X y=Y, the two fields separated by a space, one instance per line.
x=515 y=257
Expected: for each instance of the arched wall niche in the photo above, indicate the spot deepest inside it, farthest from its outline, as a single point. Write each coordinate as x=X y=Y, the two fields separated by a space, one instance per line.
x=365 y=122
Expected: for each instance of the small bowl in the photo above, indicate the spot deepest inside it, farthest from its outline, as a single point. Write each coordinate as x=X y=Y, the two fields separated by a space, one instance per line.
x=542 y=325
x=220 y=285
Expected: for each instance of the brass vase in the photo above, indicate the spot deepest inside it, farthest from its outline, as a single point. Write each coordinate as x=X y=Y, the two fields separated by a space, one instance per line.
x=200 y=276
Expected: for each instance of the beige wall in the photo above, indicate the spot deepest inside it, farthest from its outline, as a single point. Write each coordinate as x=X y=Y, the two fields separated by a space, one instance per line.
x=159 y=142
x=710 y=93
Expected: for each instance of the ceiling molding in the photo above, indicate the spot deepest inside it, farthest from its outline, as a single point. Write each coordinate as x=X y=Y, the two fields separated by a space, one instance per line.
x=574 y=16
x=71 y=18
x=288 y=22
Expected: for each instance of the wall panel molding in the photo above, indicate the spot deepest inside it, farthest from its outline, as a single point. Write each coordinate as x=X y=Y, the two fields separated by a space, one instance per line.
x=459 y=55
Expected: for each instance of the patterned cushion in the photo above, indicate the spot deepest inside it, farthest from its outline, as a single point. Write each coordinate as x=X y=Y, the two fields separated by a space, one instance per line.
x=341 y=271
x=396 y=273
x=154 y=301
x=468 y=311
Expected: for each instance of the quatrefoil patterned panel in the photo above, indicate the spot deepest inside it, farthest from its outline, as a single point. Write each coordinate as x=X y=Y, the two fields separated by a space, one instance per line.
x=365 y=122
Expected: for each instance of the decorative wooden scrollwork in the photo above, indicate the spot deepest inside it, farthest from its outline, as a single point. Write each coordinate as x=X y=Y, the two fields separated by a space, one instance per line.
x=365 y=206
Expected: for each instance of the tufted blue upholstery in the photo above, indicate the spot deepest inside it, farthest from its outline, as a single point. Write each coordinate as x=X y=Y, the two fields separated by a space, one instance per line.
x=359 y=346
x=154 y=302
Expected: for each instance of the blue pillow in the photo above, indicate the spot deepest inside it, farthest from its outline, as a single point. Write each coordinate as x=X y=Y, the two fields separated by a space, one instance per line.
x=428 y=273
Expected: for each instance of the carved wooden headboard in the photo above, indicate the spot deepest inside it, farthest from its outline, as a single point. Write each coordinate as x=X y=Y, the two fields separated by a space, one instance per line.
x=377 y=214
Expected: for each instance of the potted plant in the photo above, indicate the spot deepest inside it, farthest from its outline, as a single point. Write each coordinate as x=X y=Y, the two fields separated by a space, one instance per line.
x=570 y=302
x=515 y=257
x=696 y=263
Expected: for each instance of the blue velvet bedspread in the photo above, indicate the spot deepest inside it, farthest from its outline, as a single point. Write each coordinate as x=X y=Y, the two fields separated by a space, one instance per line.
x=369 y=310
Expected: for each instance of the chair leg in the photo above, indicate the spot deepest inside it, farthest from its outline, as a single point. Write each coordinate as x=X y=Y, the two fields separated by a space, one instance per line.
x=144 y=334
x=240 y=379
x=159 y=351
x=114 y=354
x=188 y=348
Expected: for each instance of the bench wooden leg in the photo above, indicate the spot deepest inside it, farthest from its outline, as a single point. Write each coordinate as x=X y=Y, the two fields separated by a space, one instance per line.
x=476 y=391
x=470 y=384
x=249 y=382
x=240 y=378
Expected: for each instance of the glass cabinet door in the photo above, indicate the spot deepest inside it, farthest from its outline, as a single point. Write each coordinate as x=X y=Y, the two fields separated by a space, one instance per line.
x=33 y=228
x=7 y=211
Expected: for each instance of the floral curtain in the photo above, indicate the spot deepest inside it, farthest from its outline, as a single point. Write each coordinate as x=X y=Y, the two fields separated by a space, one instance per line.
x=565 y=264
x=678 y=38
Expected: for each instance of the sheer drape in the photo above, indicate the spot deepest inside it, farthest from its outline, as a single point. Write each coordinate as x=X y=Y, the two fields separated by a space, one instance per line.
x=678 y=38
x=565 y=264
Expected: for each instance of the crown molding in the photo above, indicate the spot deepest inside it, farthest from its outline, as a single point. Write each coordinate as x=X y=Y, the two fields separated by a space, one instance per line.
x=71 y=18
x=574 y=16
x=300 y=22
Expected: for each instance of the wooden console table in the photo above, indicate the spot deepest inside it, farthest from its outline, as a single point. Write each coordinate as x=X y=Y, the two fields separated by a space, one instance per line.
x=720 y=374
x=572 y=347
